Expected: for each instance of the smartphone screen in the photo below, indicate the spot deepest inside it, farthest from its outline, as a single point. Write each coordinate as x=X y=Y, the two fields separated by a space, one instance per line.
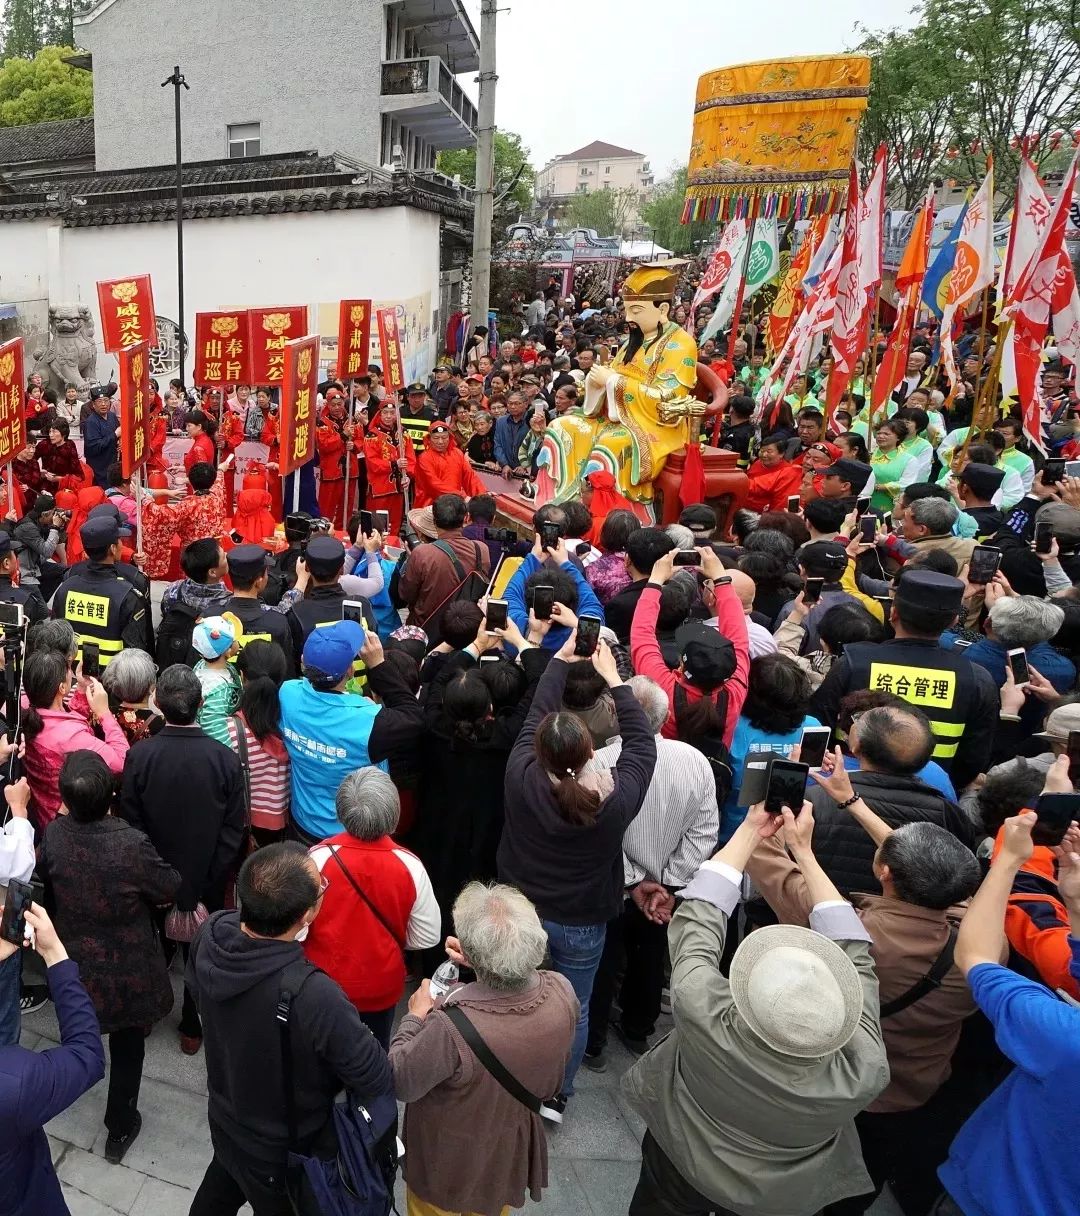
x=549 y=536
x=1073 y=752
x=786 y=786
x=1072 y=468
x=984 y=564
x=862 y=505
x=20 y=895
x=543 y=602
x=813 y=745
x=382 y=521
x=1055 y=812
x=793 y=504
x=687 y=557
x=868 y=525
x=11 y=615
x=1044 y=537
x=1053 y=471
x=496 y=615
x=886 y=521
x=1019 y=665
x=91 y=660
x=812 y=590
x=353 y=610
x=588 y=634
x=367 y=522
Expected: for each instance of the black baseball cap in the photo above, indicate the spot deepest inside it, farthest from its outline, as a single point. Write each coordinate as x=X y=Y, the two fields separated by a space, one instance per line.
x=852 y=471
x=248 y=561
x=99 y=532
x=708 y=657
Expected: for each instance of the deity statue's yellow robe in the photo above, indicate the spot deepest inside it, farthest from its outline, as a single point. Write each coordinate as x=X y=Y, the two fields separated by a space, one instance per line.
x=619 y=428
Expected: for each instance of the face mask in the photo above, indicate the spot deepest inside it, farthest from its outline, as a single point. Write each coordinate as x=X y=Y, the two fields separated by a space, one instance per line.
x=302 y=935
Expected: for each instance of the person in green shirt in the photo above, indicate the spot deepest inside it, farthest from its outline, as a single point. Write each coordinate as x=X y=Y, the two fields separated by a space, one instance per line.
x=1012 y=458
x=894 y=468
x=916 y=421
x=753 y=375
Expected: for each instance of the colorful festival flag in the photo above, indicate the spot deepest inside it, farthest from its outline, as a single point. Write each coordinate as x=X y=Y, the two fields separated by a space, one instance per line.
x=789 y=296
x=936 y=283
x=850 y=300
x=720 y=264
x=973 y=270
x=762 y=267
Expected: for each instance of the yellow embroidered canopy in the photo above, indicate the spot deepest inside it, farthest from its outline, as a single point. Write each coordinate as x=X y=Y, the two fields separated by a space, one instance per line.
x=780 y=133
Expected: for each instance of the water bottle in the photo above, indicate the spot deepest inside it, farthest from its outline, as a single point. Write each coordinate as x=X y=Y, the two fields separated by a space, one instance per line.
x=445 y=978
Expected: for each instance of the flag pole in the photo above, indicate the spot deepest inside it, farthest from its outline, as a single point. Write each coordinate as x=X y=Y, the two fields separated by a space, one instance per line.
x=741 y=293
x=348 y=454
x=986 y=401
x=871 y=371
x=139 y=511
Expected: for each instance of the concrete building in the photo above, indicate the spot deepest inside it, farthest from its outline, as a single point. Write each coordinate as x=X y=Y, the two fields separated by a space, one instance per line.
x=596 y=166
x=310 y=134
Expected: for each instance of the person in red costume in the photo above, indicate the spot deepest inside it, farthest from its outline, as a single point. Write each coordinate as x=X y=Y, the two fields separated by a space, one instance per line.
x=333 y=440
x=58 y=456
x=599 y=492
x=201 y=429
x=773 y=480
x=28 y=479
x=252 y=522
x=391 y=466
x=442 y=468
x=159 y=432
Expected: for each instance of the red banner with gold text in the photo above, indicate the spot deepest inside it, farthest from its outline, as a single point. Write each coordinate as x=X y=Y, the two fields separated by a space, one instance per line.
x=135 y=417
x=127 y=312
x=221 y=348
x=12 y=400
x=269 y=329
x=299 y=389
x=393 y=356
x=354 y=338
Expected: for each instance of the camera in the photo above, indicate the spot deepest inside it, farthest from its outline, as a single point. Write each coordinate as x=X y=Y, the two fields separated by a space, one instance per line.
x=500 y=536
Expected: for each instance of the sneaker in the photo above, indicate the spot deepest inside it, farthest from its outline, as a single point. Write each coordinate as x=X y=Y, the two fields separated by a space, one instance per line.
x=636 y=1046
x=117 y=1146
x=190 y=1044
x=33 y=998
x=595 y=1061
x=554 y=1109
x=665 y=1001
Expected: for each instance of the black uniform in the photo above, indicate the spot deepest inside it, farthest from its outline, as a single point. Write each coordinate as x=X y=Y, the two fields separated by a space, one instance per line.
x=133 y=575
x=261 y=624
x=323 y=606
x=104 y=608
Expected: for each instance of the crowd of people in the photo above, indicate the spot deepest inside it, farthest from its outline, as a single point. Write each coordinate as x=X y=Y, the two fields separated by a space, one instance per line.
x=330 y=767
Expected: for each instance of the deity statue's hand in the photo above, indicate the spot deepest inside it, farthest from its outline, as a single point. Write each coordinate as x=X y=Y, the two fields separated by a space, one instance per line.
x=688 y=407
x=598 y=376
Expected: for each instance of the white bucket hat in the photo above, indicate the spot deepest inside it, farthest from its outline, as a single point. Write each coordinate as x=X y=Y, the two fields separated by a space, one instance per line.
x=796 y=990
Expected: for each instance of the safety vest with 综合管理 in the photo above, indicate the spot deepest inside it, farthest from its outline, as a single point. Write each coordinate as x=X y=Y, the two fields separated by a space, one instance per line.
x=92 y=608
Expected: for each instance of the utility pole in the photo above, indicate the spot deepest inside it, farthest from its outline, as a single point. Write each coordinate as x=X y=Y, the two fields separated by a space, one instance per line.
x=176 y=80
x=485 y=168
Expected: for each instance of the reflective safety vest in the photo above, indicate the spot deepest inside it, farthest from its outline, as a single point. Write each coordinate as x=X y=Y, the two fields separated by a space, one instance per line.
x=939 y=682
x=260 y=624
x=92 y=607
x=322 y=610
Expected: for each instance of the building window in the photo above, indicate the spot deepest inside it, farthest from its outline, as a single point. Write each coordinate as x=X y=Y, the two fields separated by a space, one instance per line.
x=583 y=188
x=244 y=140
x=607 y=170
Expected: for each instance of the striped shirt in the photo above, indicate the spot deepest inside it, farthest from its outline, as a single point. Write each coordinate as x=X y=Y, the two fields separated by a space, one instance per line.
x=679 y=821
x=267 y=776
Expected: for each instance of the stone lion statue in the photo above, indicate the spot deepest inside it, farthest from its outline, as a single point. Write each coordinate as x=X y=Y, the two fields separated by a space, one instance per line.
x=71 y=355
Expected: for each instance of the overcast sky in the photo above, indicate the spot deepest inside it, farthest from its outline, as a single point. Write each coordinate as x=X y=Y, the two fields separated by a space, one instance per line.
x=625 y=71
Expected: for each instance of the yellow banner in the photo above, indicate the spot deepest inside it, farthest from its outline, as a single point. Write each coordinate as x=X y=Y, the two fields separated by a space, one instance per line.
x=81 y=607
x=928 y=687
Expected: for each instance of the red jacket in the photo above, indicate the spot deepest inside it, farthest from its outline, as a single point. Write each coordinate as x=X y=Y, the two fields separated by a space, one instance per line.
x=446 y=472
x=771 y=488
x=330 y=438
x=201 y=452
x=648 y=661
x=348 y=941
x=380 y=453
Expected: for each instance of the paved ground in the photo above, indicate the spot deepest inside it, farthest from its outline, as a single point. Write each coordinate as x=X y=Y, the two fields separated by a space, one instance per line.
x=594 y=1155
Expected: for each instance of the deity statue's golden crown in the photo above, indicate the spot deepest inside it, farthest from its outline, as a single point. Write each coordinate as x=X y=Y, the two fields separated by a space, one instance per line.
x=653 y=281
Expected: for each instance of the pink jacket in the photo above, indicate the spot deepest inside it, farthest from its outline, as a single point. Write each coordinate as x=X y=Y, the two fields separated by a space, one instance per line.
x=66 y=732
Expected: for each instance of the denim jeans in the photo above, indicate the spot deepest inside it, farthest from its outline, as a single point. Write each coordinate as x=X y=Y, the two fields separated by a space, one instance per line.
x=10 y=985
x=575 y=953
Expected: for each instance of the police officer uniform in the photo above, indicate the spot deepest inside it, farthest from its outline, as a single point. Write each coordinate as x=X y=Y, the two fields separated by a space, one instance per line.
x=325 y=605
x=959 y=697
x=99 y=605
x=128 y=572
x=34 y=607
x=416 y=425
x=261 y=623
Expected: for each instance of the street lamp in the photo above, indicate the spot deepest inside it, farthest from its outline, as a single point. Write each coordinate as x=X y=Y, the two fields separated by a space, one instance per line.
x=176 y=80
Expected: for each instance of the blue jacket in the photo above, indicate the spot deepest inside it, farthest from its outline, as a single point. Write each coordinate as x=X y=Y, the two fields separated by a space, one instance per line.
x=508 y=437
x=518 y=611
x=99 y=444
x=35 y=1086
x=387 y=617
x=1048 y=662
x=1017 y=1152
x=326 y=735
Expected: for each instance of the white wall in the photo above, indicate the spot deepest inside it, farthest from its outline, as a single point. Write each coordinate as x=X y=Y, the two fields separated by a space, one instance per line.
x=385 y=254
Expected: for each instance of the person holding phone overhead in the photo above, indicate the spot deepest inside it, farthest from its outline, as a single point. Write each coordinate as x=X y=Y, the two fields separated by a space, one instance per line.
x=562 y=839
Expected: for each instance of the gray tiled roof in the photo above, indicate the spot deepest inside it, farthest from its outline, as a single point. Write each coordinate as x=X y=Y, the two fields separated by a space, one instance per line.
x=69 y=139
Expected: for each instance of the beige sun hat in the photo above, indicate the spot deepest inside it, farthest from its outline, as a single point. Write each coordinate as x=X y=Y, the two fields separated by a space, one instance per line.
x=796 y=990
x=422 y=520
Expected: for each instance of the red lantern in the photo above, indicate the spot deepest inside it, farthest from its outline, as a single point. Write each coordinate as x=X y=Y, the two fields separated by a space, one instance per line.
x=157 y=480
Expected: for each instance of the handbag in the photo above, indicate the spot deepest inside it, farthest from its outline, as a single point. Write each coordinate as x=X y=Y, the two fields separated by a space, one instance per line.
x=359 y=1180
x=182 y=926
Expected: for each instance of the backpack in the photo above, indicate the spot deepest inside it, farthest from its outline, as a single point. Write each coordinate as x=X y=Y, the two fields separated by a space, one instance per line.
x=471 y=586
x=174 y=637
x=712 y=747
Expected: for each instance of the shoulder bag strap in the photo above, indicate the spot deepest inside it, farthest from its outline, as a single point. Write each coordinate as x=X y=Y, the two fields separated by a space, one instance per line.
x=375 y=911
x=929 y=982
x=244 y=758
x=489 y=1060
x=459 y=569
x=291 y=984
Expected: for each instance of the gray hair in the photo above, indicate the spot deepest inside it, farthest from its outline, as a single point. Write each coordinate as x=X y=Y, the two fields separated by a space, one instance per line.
x=1023 y=620
x=367 y=804
x=500 y=934
x=130 y=676
x=652 y=699
x=935 y=514
x=937 y=399
x=53 y=634
x=769 y=540
x=683 y=537
x=930 y=867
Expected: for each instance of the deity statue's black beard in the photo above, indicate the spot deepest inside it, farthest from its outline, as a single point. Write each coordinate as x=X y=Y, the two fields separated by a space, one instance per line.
x=634 y=341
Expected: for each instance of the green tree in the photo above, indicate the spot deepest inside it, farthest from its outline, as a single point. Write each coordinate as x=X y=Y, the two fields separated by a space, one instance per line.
x=22 y=28
x=663 y=215
x=608 y=212
x=511 y=165
x=44 y=89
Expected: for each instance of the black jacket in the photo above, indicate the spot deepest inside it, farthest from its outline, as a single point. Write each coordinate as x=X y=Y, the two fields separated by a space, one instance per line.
x=397 y=733
x=619 y=610
x=844 y=850
x=236 y=983
x=186 y=792
x=262 y=623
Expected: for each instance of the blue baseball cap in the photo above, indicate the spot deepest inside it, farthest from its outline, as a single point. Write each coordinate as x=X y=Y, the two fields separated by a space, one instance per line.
x=333 y=648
